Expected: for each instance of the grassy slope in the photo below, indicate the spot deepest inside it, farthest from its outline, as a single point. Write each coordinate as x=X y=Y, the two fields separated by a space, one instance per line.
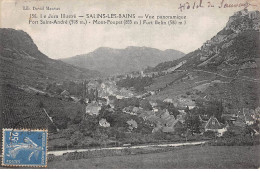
x=180 y=86
x=16 y=105
x=188 y=157
x=238 y=93
x=32 y=72
x=19 y=109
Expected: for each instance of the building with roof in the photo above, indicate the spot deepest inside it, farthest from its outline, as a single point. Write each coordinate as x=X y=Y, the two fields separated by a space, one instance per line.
x=249 y=120
x=103 y=123
x=172 y=126
x=65 y=93
x=214 y=125
x=93 y=108
x=229 y=118
x=248 y=116
x=132 y=124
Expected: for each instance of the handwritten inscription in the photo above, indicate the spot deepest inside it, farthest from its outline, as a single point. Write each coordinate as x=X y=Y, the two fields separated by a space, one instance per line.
x=211 y=4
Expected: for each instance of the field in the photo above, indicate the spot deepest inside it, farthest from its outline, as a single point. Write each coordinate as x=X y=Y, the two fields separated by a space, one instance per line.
x=176 y=84
x=185 y=157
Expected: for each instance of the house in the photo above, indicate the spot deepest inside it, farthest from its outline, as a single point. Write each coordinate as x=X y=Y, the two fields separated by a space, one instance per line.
x=136 y=109
x=256 y=115
x=240 y=121
x=168 y=100
x=103 y=123
x=248 y=115
x=65 y=93
x=93 y=84
x=229 y=118
x=102 y=101
x=93 y=108
x=248 y=112
x=125 y=93
x=181 y=117
x=147 y=114
x=249 y=120
x=256 y=128
x=156 y=129
x=152 y=92
x=184 y=102
x=215 y=126
x=163 y=112
x=75 y=99
x=191 y=107
x=170 y=121
x=132 y=124
x=164 y=119
x=130 y=110
x=222 y=131
x=155 y=110
x=182 y=112
x=111 y=101
x=173 y=125
x=152 y=118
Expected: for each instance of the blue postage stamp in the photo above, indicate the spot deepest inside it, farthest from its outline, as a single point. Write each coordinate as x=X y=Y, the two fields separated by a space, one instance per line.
x=24 y=147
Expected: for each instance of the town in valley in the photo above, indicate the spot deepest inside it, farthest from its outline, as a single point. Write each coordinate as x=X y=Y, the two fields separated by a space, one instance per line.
x=139 y=102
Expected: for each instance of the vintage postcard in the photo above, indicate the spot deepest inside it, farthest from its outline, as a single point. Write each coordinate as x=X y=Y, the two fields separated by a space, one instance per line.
x=127 y=84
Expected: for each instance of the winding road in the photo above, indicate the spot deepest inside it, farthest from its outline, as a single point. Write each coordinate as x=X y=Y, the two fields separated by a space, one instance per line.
x=61 y=152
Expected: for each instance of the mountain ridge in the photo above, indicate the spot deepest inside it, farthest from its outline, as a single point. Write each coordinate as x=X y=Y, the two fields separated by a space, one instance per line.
x=224 y=68
x=117 y=61
x=22 y=62
x=241 y=22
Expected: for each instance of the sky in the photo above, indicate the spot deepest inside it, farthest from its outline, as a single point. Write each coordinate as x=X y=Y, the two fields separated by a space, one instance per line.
x=62 y=41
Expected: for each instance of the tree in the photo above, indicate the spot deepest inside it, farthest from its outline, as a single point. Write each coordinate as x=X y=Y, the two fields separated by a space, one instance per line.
x=215 y=108
x=41 y=105
x=145 y=104
x=76 y=137
x=120 y=104
x=211 y=108
x=210 y=134
x=180 y=131
x=229 y=134
x=172 y=110
x=192 y=123
x=91 y=95
x=96 y=94
x=247 y=130
x=187 y=110
x=89 y=125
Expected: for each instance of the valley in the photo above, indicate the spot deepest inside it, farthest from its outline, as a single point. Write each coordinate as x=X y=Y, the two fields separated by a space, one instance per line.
x=138 y=97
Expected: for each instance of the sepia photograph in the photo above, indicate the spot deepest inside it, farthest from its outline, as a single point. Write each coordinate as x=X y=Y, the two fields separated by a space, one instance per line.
x=129 y=84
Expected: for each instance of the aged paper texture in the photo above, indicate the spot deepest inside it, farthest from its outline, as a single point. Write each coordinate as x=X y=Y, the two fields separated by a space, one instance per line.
x=163 y=84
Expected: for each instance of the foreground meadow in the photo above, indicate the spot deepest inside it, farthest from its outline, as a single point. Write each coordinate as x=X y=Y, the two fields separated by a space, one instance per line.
x=184 y=157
